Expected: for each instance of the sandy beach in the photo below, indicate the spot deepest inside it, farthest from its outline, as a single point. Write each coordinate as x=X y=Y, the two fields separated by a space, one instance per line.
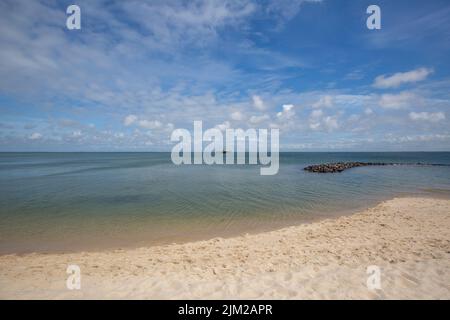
x=407 y=238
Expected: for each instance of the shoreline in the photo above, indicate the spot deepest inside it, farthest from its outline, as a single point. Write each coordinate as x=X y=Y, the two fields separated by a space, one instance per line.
x=246 y=229
x=408 y=238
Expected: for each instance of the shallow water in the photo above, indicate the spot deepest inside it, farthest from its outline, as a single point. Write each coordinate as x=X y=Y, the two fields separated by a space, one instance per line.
x=88 y=201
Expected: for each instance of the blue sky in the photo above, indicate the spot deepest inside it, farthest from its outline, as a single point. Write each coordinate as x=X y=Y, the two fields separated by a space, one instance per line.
x=139 y=69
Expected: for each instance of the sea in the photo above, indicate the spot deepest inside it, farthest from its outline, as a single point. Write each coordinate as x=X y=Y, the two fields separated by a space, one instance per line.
x=67 y=202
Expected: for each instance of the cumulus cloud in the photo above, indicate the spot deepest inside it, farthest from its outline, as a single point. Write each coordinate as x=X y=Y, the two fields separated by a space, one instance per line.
x=330 y=123
x=287 y=112
x=259 y=119
x=324 y=102
x=384 y=82
x=150 y=124
x=146 y=75
x=258 y=103
x=76 y=134
x=154 y=125
x=315 y=119
x=316 y=114
x=129 y=120
x=319 y=121
x=35 y=136
x=314 y=125
x=427 y=116
x=237 y=116
x=397 y=101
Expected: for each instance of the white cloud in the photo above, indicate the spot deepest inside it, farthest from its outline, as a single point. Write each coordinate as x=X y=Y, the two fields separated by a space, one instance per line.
x=126 y=83
x=76 y=134
x=400 y=78
x=330 y=123
x=223 y=126
x=147 y=124
x=129 y=120
x=259 y=119
x=155 y=125
x=258 y=103
x=368 y=111
x=427 y=116
x=187 y=21
x=287 y=112
x=319 y=121
x=314 y=125
x=287 y=9
x=324 y=102
x=417 y=138
x=237 y=116
x=35 y=136
x=397 y=101
x=316 y=114
x=315 y=119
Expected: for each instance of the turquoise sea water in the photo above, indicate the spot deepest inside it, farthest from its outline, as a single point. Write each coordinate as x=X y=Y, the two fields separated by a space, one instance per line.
x=88 y=201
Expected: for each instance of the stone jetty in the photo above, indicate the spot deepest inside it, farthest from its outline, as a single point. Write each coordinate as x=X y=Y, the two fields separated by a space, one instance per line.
x=341 y=166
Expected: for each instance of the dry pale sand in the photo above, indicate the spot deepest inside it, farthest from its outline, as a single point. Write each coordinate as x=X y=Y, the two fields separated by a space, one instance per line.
x=408 y=238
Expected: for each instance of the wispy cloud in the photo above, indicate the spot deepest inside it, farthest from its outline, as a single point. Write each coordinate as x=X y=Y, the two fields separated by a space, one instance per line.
x=138 y=69
x=427 y=116
x=398 y=101
x=400 y=78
